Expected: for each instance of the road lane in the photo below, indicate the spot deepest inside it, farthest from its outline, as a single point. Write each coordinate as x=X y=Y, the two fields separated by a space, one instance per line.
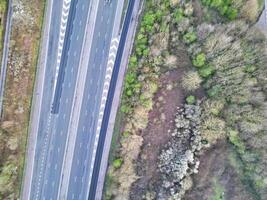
x=113 y=82
x=43 y=138
x=50 y=147
x=62 y=119
x=53 y=129
x=81 y=165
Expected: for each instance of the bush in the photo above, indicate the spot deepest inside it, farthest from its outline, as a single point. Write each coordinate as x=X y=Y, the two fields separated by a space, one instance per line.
x=191 y=81
x=212 y=128
x=206 y=71
x=214 y=91
x=225 y=7
x=125 y=109
x=236 y=141
x=190 y=37
x=213 y=107
x=190 y=99
x=231 y=13
x=132 y=62
x=117 y=163
x=178 y=15
x=199 y=60
x=250 y=68
x=148 y=21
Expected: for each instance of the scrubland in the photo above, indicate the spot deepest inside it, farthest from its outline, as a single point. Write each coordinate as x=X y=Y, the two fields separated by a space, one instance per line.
x=23 y=52
x=193 y=117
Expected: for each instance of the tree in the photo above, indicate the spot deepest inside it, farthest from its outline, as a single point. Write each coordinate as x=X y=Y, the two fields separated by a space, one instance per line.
x=199 y=60
x=191 y=81
x=191 y=99
x=117 y=163
x=190 y=37
x=206 y=71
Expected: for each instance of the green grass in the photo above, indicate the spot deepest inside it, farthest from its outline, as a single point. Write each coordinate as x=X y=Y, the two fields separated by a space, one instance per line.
x=218 y=191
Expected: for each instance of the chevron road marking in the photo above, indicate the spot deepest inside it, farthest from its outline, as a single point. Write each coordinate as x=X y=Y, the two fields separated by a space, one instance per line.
x=110 y=64
x=63 y=25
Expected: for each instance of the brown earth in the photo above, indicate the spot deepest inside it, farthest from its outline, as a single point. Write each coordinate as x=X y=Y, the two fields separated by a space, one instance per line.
x=216 y=169
x=168 y=98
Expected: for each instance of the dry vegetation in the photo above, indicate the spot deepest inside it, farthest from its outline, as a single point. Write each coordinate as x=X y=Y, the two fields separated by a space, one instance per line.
x=25 y=37
x=222 y=83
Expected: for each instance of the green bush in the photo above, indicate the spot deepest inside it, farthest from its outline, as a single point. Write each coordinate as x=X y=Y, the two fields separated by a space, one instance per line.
x=133 y=62
x=148 y=21
x=191 y=99
x=117 y=163
x=214 y=91
x=236 y=141
x=224 y=7
x=199 y=60
x=206 y=71
x=190 y=37
x=178 y=15
x=125 y=109
x=231 y=13
x=250 y=68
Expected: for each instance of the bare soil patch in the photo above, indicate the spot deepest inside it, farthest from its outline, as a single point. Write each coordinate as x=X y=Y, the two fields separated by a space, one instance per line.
x=215 y=169
x=168 y=98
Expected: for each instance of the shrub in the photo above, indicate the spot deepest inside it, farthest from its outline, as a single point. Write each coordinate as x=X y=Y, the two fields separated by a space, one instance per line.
x=250 y=68
x=225 y=7
x=214 y=91
x=191 y=81
x=190 y=37
x=178 y=15
x=199 y=60
x=231 y=13
x=125 y=109
x=236 y=141
x=117 y=163
x=212 y=128
x=213 y=107
x=190 y=99
x=148 y=21
x=206 y=71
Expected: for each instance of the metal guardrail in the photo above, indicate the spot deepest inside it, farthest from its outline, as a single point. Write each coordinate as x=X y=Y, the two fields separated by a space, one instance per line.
x=5 y=54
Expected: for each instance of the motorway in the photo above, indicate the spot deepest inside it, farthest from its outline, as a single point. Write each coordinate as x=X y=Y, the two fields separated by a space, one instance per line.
x=82 y=57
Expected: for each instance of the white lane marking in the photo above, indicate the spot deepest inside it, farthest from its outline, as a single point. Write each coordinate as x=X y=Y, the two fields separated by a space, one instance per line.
x=63 y=26
x=43 y=157
x=109 y=70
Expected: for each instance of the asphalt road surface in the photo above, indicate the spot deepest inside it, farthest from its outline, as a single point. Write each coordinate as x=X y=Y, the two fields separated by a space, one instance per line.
x=87 y=128
x=58 y=98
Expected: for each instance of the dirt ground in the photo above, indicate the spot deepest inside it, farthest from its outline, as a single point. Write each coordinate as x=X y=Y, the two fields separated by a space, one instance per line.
x=216 y=171
x=167 y=99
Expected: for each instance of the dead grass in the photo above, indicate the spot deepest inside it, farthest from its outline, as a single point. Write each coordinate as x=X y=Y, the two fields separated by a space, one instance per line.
x=251 y=9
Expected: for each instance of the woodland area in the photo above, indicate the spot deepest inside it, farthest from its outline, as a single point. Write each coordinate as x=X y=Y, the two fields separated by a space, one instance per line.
x=193 y=117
